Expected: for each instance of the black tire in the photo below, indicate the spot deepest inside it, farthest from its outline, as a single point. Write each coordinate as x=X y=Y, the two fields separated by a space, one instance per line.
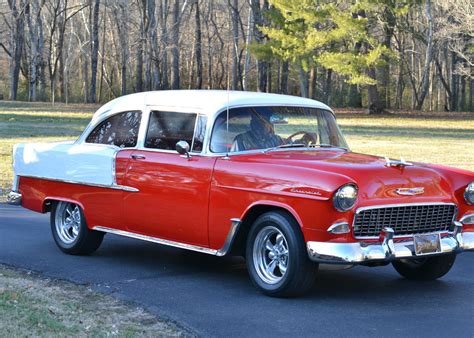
x=425 y=269
x=300 y=272
x=78 y=239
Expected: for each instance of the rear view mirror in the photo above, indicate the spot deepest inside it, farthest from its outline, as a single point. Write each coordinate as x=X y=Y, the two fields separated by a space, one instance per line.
x=182 y=147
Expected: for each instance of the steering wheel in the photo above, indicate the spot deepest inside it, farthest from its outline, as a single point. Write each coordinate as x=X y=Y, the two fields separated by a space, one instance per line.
x=306 y=138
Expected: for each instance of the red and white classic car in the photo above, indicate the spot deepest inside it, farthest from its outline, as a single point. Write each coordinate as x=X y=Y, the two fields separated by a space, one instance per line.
x=269 y=177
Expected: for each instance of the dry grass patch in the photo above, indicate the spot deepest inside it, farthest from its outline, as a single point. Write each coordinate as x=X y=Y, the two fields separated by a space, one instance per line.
x=37 y=307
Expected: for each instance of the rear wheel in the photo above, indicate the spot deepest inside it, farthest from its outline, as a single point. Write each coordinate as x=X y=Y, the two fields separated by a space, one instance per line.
x=70 y=231
x=424 y=269
x=276 y=256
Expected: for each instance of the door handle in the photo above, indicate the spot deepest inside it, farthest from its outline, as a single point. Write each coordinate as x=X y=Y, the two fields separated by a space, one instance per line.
x=138 y=157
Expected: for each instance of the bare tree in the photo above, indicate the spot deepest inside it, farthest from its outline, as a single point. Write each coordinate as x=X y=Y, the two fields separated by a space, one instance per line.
x=428 y=57
x=198 y=44
x=16 y=43
x=94 y=47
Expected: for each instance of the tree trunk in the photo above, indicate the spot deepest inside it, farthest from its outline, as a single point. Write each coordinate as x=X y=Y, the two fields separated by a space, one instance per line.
x=234 y=19
x=154 y=47
x=41 y=62
x=428 y=58
x=94 y=49
x=250 y=31
x=258 y=20
x=312 y=82
x=454 y=83
x=102 y=58
x=328 y=86
x=198 y=45
x=175 y=46
x=375 y=105
x=400 y=83
x=120 y=12
x=471 y=92
x=388 y=31
x=17 y=37
x=285 y=70
x=33 y=12
x=462 y=103
x=303 y=76
x=139 y=54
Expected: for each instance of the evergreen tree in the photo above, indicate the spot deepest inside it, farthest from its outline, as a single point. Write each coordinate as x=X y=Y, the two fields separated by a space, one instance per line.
x=335 y=35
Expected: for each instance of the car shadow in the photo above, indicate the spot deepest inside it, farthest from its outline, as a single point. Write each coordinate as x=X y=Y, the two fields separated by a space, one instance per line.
x=372 y=285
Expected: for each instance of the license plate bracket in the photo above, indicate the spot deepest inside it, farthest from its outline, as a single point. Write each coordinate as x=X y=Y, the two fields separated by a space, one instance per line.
x=427 y=244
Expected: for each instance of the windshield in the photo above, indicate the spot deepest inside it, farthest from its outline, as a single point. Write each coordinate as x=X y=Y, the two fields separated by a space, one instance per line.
x=251 y=128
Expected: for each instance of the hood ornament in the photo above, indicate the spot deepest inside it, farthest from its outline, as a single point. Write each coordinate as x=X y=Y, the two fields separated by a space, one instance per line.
x=394 y=163
x=410 y=191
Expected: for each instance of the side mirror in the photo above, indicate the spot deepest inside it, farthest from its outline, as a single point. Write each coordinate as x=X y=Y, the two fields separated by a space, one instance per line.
x=182 y=147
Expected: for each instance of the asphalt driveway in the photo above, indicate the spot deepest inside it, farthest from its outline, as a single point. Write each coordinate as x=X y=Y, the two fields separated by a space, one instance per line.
x=213 y=296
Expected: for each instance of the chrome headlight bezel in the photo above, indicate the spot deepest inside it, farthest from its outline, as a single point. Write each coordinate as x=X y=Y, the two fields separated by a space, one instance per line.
x=469 y=194
x=345 y=197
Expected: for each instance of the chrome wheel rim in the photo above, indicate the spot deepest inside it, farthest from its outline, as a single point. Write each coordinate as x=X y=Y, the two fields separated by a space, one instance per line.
x=67 y=222
x=270 y=255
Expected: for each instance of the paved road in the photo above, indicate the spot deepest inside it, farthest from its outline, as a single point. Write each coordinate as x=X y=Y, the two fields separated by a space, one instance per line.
x=213 y=296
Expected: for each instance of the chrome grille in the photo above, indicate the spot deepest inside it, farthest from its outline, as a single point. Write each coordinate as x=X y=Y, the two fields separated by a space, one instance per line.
x=404 y=220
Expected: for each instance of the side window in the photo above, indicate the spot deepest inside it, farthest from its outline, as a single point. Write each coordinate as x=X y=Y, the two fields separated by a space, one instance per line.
x=165 y=129
x=199 y=134
x=120 y=130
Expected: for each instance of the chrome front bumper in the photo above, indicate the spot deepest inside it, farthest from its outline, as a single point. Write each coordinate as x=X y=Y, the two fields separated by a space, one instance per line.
x=14 y=198
x=384 y=251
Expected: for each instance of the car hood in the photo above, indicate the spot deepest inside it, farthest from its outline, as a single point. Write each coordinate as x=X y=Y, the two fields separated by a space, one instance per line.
x=376 y=180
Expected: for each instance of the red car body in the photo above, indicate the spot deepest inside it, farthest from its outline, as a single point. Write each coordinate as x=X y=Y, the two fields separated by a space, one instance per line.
x=208 y=202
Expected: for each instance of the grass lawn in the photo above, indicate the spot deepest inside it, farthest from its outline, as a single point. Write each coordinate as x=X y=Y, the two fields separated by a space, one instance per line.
x=444 y=138
x=34 y=306
x=441 y=138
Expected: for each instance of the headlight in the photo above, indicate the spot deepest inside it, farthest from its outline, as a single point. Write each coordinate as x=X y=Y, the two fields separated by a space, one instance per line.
x=469 y=194
x=345 y=197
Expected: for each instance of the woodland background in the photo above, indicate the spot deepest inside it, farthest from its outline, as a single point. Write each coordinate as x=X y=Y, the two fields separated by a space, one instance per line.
x=377 y=54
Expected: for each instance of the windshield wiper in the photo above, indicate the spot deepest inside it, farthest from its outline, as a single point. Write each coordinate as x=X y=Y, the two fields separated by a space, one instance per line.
x=325 y=145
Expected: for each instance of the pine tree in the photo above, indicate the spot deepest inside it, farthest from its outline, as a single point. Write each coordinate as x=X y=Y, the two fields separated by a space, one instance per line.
x=336 y=36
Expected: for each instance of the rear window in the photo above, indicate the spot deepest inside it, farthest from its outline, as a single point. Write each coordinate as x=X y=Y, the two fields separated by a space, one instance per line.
x=120 y=130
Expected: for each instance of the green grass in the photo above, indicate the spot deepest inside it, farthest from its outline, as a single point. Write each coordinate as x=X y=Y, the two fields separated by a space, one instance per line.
x=36 y=122
x=443 y=138
x=432 y=138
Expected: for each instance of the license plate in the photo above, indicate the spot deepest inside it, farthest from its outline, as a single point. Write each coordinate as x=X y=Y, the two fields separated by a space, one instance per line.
x=427 y=244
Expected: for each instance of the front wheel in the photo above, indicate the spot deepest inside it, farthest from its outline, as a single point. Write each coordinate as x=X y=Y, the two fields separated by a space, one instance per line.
x=70 y=231
x=276 y=256
x=425 y=269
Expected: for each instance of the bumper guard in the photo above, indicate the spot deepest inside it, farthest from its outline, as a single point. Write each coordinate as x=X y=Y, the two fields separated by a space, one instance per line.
x=385 y=250
x=14 y=198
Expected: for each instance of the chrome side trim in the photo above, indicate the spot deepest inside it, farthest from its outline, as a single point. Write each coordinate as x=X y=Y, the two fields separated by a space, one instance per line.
x=221 y=252
x=467 y=219
x=14 y=198
x=230 y=237
x=112 y=186
x=156 y=240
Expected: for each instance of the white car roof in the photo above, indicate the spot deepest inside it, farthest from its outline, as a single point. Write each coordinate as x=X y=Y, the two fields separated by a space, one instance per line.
x=208 y=102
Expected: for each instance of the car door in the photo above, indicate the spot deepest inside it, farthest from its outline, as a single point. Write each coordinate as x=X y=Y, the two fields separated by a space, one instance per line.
x=173 y=198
